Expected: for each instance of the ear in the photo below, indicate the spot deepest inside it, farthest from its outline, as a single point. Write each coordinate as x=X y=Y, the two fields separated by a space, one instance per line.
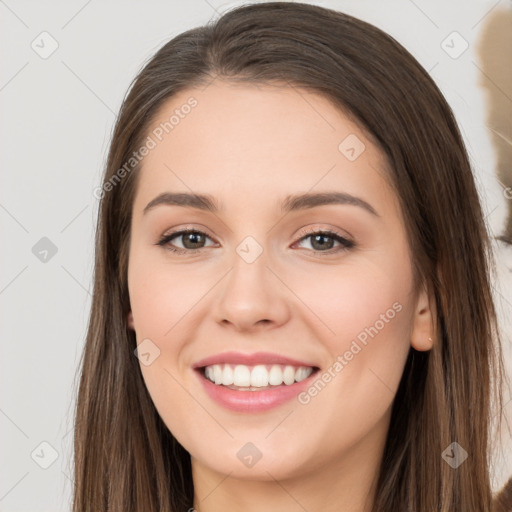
x=129 y=319
x=424 y=322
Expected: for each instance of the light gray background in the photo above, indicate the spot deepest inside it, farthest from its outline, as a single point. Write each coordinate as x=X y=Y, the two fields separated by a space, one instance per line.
x=57 y=116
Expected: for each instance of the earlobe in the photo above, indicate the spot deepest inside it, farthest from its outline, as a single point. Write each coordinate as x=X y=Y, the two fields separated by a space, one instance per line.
x=422 y=335
x=129 y=319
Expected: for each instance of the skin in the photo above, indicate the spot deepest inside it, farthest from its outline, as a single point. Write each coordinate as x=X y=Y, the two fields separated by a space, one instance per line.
x=250 y=146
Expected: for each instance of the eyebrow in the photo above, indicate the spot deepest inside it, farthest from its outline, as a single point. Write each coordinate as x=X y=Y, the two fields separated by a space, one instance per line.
x=291 y=203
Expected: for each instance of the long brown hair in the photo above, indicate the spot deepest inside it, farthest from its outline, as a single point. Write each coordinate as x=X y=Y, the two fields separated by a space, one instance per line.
x=125 y=457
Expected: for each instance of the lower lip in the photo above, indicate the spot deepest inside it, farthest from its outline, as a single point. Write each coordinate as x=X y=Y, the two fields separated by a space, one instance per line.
x=253 y=401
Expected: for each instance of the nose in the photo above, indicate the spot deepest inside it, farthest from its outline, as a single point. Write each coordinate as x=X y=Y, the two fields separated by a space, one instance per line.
x=251 y=297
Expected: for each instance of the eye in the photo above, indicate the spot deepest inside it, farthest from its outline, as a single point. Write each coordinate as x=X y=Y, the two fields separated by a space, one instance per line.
x=191 y=239
x=323 y=241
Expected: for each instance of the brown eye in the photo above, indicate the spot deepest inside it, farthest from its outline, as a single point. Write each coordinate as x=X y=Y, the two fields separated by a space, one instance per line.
x=191 y=240
x=324 y=241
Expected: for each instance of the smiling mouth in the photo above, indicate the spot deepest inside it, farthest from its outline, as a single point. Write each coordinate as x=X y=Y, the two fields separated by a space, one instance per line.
x=259 y=377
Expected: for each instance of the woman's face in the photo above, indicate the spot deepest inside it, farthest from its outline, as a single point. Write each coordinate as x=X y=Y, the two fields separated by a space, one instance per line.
x=258 y=295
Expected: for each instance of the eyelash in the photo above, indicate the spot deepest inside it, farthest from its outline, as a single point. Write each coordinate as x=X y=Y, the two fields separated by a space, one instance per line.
x=345 y=243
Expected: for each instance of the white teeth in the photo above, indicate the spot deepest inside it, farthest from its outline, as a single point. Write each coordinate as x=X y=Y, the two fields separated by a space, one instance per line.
x=227 y=375
x=289 y=375
x=241 y=376
x=217 y=374
x=275 y=377
x=302 y=373
x=259 y=376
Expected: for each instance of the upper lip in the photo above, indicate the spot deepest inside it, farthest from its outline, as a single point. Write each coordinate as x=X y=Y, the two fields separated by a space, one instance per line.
x=249 y=359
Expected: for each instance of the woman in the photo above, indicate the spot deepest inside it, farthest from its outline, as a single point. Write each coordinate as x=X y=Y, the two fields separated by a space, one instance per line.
x=291 y=243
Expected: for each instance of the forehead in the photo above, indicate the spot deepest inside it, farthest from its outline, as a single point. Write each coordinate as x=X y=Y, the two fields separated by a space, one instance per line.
x=250 y=142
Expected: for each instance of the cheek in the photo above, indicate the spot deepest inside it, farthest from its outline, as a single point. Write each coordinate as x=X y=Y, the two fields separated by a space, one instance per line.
x=354 y=297
x=161 y=296
x=162 y=299
x=363 y=315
